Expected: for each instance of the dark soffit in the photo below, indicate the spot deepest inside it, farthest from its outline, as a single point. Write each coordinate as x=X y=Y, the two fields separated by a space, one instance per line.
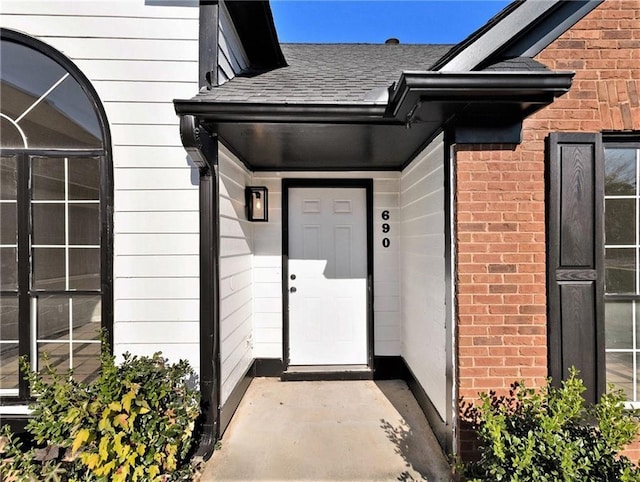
x=368 y=136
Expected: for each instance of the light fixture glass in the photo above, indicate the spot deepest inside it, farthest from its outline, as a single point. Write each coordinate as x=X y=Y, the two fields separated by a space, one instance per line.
x=257 y=201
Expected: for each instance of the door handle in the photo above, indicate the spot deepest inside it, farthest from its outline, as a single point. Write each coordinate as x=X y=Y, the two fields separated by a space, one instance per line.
x=292 y=289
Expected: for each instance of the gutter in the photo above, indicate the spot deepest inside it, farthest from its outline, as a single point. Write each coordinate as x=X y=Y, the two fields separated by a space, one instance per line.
x=505 y=88
x=212 y=111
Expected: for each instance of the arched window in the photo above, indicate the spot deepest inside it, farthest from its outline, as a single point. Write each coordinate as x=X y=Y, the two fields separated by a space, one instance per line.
x=55 y=221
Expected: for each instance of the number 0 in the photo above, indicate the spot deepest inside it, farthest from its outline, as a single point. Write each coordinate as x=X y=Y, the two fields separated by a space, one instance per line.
x=386 y=242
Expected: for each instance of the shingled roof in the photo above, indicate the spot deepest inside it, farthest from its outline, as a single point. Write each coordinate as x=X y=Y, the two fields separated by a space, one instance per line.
x=340 y=74
x=330 y=74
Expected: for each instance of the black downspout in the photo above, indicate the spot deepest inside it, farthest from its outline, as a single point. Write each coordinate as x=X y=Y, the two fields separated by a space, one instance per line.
x=203 y=150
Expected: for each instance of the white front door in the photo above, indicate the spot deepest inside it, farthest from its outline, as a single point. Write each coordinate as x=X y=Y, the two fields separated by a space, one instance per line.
x=327 y=271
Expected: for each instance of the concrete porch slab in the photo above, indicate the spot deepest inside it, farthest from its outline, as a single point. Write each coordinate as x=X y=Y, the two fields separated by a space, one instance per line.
x=328 y=431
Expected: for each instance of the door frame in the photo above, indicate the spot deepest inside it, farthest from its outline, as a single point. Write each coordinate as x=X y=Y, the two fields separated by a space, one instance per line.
x=367 y=185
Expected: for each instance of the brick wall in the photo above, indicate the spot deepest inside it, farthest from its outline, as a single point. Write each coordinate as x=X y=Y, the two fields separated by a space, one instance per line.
x=501 y=204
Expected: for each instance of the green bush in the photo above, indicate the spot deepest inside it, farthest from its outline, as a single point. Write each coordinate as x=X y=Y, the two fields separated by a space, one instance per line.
x=134 y=423
x=551 y=435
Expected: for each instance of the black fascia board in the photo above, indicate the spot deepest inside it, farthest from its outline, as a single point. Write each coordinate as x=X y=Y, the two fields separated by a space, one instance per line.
x=484 y=87
x=505 y=12
x=254 y=23
x=283 y=113
x=414 y=87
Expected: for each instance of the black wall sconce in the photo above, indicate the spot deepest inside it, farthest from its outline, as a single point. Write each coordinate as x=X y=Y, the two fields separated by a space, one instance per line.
x=257 y=200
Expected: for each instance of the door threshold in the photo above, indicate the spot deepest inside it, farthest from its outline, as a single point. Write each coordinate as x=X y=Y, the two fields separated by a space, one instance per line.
x=327 y=372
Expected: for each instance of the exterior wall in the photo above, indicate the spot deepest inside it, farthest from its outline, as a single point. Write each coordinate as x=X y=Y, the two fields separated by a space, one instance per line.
x=232 y=58
x=501 y=203
x=236 y=256
x=422 y=260
x=139 y=56
x=268 y=264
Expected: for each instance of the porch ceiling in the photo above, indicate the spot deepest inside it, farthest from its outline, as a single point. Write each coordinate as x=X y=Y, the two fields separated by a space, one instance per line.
x=322 y=146
x=348 y=136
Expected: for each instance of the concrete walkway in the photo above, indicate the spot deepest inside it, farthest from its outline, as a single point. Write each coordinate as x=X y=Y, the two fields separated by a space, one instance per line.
x=328 y=431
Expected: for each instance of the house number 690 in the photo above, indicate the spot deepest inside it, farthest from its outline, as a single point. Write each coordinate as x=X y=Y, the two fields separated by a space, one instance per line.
x=386 y=242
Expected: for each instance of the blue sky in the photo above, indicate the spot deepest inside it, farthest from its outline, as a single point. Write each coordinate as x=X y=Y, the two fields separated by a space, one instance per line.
x=374 y=21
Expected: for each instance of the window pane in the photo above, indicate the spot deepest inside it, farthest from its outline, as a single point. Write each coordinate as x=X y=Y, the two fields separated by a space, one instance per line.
x=48 y=223
x=58 y=354
x=65 y=118
x=620 y=372
x=86 y=361
x=26 y=74
x=87 y=316
x=9 y=366
x=47 y=178
x=618 y=324
x=620 y=270
x=8 y=269
x=8 y=226
x=620 y=221
x=9 y=318
x=84 y=224
x=84 y=269
x=84 y=178
x=8 y=178
x=49 y=268
x=53 y=318
x=620 y=171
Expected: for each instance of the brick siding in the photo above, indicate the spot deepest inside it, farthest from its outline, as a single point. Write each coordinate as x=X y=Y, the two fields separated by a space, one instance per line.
x=500 y=220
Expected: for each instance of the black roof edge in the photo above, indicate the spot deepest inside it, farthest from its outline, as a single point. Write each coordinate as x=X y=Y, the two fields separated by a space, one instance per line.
x=283 y=113
x=505 y=12
x=540 y=87
x=254 y=23
x=529 y=32
x=545 y=30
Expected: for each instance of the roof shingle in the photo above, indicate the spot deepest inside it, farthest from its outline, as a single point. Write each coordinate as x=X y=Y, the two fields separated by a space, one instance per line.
x=330 y=74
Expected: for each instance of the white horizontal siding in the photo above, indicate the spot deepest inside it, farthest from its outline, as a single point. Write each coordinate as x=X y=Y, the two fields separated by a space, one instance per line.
x=166 y=266
x=133 y=9
x=156 y=200
x=423 y=271
x=93 y=26
x=268 y=264
x=236 y=292
x=140 y=70
x=141 y=91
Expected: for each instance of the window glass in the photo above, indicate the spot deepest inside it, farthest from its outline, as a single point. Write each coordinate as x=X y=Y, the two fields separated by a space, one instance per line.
x=48 y=224
x=43 y=106
x=9 y=267
x=84 y=269
x=620 y=221
x=84 y=179
x=8 y=181
x=620 y=171
x=26 y=75
x=622 y=277
x=49 y=269
x=620 y=372
x=69 y=333
x=84 y=224
x=48 y=178
x=8 y=343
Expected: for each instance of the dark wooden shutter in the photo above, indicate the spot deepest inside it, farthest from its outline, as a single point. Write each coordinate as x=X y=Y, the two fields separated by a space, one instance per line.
x=575 y=257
